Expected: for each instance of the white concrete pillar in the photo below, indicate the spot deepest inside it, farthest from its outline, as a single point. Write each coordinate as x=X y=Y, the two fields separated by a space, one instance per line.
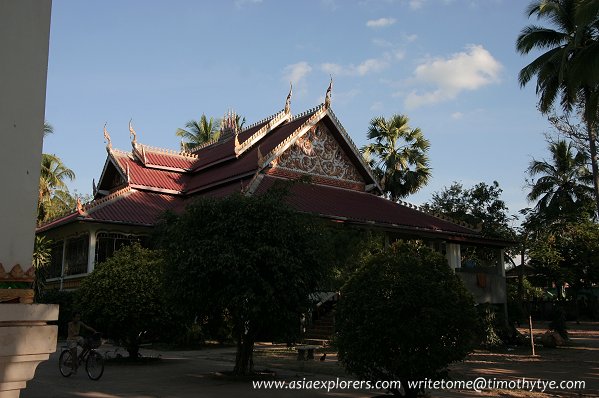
x=91 y=254
x=453 y=255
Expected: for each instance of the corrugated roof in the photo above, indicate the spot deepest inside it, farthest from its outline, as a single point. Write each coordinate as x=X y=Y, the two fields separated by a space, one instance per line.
x=141 y=176
x=360 y=207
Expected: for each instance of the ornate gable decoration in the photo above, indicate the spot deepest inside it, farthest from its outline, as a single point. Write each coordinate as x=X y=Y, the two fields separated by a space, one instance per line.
x=318 y=153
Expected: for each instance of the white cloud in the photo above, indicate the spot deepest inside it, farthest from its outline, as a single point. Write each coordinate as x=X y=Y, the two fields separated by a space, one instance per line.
x=242 y=3
x=381 y=42
x=410 y=38
x=295 y=73
x=368 y=66
x=381 y=22
x=467 y=70
x=416 y=4
x=457 y=115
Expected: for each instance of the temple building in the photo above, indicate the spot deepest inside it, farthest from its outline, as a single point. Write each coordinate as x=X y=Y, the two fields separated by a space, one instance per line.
x=136 y=187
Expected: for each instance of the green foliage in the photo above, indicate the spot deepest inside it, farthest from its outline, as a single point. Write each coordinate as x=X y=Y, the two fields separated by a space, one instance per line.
x=123 y=297
x=480 y=204
x=404 y=316
x=567 y=253
x=398 y=155
x=53 y=196
x=566 y=67
x=347 y=248
x=563 y=188
x=41 y=257
x=489 y=326
x=198 y=132
x=252 y=257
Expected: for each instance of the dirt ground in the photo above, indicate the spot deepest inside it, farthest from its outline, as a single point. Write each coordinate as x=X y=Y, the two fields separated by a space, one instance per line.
x=578 y=360
x=187 y=374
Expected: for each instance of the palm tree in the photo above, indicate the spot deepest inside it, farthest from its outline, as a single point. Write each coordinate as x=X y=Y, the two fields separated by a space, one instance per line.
x=563 y=190
x=398 y=155
x=48 y=129
x=197 y=132
x=565 y=70
x=53 y=193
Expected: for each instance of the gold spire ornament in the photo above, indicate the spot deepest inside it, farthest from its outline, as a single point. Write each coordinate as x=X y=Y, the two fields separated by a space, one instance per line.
x=327 y=98
x=80 y=207
x=107 y=138
x=288 y=101
x=132 y=133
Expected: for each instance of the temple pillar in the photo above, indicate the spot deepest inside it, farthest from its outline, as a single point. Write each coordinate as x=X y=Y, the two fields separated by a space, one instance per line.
x=25 y=338
x=453 y=255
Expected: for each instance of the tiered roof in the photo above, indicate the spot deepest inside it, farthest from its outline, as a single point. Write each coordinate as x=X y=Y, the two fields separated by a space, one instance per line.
x=137 y=187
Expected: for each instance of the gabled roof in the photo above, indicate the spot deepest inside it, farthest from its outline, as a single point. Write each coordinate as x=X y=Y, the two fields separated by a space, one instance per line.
x=137 y=187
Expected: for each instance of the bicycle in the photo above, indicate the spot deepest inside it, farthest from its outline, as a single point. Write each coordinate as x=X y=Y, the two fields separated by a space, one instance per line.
x=94 y=361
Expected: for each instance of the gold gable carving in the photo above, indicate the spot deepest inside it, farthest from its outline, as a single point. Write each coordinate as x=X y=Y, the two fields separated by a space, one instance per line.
x=318 y=153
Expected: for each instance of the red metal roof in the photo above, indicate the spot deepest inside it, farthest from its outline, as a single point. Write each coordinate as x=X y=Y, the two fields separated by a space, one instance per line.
x=360 y=207
x=247 y=163
x=169 y=160
x=218 y=173
x=140 y=176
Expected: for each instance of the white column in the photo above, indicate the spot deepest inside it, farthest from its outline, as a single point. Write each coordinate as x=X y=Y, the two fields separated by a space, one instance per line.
x=453 y=255
x=91 y=255
x=64 y=260
x=501 y=263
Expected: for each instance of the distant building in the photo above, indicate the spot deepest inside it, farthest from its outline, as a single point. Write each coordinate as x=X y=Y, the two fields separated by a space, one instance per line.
x=136 y=187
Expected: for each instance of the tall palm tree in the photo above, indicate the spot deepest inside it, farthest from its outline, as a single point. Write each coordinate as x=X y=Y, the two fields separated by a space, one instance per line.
x=563 y=189
x=198 y=132
x=48 y=129
x=564 y=70
x=53 y=192
x=398 y=155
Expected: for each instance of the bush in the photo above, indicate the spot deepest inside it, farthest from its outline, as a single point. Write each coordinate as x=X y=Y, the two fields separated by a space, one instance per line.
x=123 y=297
x=404 y=316
x=252 y=258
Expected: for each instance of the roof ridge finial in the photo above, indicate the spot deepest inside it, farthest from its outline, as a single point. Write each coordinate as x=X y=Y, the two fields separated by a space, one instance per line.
x=260 y=157
x=327 y=98
x=132 y=133
x=288 y=101
x=80 y=206
x=94 y=187
x=107 y=137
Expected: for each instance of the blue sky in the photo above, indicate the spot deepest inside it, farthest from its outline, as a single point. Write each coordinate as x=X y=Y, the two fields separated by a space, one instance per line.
x=449 y=65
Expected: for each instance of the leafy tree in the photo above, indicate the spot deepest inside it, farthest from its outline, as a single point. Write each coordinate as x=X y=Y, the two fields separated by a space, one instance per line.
x=480 y=204
x=252 y=257
x=41 y=258
x=561 y=191
x=398 y=155
x=404 y=316
x=198 y=132
x=123 y=296
x=567 y=69
x=53 y=196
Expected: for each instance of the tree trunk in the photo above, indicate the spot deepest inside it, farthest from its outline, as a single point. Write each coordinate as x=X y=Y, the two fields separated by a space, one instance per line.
x=244 y=358
x=594 y=168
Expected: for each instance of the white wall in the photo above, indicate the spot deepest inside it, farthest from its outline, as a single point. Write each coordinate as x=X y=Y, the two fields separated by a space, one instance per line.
x=24 y=37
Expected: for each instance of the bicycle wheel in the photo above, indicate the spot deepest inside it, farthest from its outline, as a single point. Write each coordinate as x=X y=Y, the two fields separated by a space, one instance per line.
x=94 y=365
x=65 y=363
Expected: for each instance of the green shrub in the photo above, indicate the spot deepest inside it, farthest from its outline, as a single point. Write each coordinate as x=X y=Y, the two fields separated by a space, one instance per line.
x=123 y=297
x=404 y=316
